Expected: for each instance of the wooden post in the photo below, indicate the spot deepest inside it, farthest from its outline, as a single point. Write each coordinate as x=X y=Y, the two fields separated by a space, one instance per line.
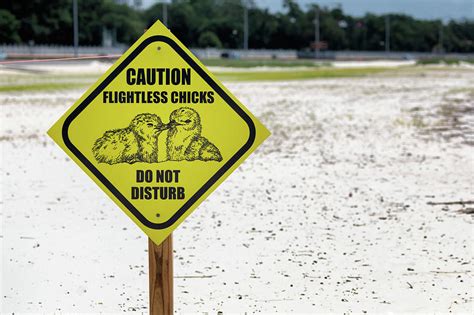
x=160 y=259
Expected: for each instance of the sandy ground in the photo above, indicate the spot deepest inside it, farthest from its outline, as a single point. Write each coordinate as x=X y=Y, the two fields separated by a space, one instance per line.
x=99 y=67
x=335 y=64
x=333 y=213
x=58 y=67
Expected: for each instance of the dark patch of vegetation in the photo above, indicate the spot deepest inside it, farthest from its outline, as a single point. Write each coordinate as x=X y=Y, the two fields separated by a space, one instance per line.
x=442 y=60
x=320 y=73
x=250 y=63
x=218 y=23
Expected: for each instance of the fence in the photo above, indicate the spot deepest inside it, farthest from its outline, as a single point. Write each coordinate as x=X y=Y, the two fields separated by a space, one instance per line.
x=45 y=51
x=15 y=51
x=378 y=55
x=208 y=53
x=18 y=51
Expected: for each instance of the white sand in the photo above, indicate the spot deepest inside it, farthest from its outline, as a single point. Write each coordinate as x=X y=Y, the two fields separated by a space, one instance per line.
x=373 y=64
x=329 y=215
x=335 y=64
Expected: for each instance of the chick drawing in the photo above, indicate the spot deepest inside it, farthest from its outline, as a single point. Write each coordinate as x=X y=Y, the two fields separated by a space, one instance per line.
x=136 y=143
x=184 y=141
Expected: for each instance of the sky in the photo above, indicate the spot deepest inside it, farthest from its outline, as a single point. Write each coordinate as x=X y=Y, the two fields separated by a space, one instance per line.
x=424 y=9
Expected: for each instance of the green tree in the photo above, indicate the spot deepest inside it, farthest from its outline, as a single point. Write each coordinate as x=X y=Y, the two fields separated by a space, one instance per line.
x=262 y=25
x=126 y=21
x=209 y=39
x=193 y=22
x=183 y=20
x=459 y=36
x=47 y=22
x=9 y=27
x=43 y=21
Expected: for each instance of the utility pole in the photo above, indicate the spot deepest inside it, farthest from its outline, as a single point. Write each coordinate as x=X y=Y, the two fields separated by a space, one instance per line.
x=316 y=33
x=246 y=27
x=75 y=28
x=165 y=13
x=387 y=33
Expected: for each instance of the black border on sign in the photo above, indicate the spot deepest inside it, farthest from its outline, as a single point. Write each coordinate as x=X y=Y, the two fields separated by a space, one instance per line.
x=209 y=183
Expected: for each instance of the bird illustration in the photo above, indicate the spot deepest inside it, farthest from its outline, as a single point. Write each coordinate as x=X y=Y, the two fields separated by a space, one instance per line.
x=136 y=143
x=184 y=141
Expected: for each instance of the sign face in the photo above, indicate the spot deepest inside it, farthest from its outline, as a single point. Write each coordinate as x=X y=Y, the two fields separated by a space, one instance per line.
x=158 y=132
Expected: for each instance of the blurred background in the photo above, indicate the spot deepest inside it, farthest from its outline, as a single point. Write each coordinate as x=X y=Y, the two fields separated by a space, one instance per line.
x=276 y=29
x=362 y=199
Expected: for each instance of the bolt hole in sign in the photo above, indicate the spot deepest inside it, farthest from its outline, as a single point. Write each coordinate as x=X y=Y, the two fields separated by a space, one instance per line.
x=158 y=132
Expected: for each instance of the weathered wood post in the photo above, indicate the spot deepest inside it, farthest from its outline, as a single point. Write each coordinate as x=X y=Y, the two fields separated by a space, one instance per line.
x=160 y=259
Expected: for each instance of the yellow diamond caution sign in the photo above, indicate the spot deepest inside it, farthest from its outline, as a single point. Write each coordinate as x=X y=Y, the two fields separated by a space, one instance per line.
x=158 y=132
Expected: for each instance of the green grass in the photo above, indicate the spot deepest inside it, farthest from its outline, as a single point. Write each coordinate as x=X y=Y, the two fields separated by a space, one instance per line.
x=298 y=75
x=246 y=63
x=41 y=87
x=439 y=60
x=50 y=83
x=45 y=82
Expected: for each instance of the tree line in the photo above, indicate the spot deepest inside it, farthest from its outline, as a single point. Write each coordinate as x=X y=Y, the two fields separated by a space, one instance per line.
x=219 y=23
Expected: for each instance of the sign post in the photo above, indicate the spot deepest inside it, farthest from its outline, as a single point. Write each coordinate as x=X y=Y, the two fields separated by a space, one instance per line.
x=160 y=262
x=158 y=133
